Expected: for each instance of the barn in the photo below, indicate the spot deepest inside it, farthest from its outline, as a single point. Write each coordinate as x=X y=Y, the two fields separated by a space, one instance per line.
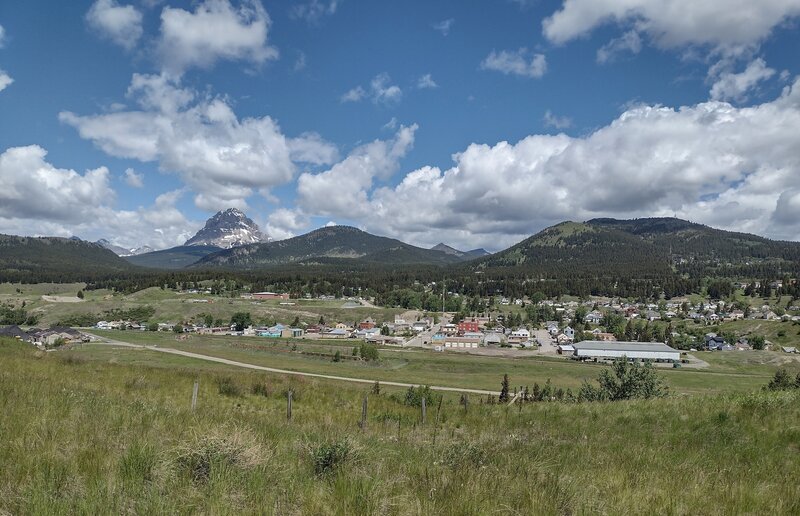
x=597 y=349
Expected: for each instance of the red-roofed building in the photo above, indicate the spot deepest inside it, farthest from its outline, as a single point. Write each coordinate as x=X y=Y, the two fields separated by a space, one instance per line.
x=468 y=327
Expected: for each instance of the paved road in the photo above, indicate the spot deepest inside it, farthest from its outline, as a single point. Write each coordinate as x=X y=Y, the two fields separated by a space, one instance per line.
x=282 y=371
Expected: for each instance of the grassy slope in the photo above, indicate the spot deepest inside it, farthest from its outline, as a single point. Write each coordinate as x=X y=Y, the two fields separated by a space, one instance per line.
x=445 y=369
x=85 y=437
x=171 y=307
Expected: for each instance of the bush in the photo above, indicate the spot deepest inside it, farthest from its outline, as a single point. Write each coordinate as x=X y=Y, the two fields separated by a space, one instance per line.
x=260 y=389
x=223 y=448
x=415 y=395
x=228 y=387
x=625 y=381
x=328 y=457
x=464 y=453
x=368 y=351
x=782 y=381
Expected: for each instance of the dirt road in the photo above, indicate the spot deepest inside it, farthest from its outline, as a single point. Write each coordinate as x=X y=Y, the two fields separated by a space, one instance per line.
x=219 y=360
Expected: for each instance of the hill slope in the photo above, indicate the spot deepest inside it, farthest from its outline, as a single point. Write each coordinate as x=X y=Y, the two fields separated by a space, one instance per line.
x=341 y=242
x=687 y=241
x=173 y=258
x=53 y=258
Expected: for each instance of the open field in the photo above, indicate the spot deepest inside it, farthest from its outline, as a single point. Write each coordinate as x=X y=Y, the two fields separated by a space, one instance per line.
x=173 y=307
x=455 y=369
x=96 y=437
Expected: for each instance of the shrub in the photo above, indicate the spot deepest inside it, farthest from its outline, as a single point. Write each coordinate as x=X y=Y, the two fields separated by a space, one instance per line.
x=72 y=359
x=782 y=381
x=415 y=395
x=329 y=456
x=223 y=448
x=369 y=351
x=631 y=380
x=260 y=389
x=464 y=453
x=228 y=387
x=138 y=463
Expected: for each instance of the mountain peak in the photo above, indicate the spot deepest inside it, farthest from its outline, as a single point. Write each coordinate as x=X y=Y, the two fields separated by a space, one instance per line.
x=228 y=228
x=444 y=248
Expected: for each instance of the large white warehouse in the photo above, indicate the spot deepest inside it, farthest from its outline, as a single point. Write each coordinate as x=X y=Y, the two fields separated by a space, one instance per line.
x=589 y=349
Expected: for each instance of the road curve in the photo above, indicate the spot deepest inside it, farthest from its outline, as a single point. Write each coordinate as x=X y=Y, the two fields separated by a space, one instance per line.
x=226 y=361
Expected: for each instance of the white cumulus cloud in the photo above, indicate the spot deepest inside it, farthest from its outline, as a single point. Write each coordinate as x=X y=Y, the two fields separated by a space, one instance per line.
x=342 y=190
x=220 y=157
x=5 y=80
x=675 y=23
x=215 y=30
x=518 y=62
x=734 y=168
x=381 y=91
x=133 y=178
x=736 y=86
x=122 y=24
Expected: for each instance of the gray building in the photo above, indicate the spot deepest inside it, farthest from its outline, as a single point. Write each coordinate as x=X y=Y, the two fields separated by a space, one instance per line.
x=590 y=349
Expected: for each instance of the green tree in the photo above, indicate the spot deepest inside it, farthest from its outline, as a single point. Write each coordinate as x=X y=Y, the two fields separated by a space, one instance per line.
x=80 y=294
x=781 y=381
x=630 y=332
x=504 y=389
x=385 y=330
x=580 y=314
x=242 y=320
x=296 y=322
x=369 y=351
x=152 y=326
x=757 y=341
x=623 y=382
x=178 y=328
x=337 y=357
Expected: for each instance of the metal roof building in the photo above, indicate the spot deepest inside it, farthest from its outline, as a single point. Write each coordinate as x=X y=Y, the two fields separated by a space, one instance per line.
x=634 y=350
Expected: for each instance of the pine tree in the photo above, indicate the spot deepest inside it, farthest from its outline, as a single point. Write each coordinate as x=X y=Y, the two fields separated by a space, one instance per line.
x=504 y=397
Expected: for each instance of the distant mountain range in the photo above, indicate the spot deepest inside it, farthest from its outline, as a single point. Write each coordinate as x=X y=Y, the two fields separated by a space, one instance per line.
x=475 y=253
x=596 y=254
x=336 y=242
x=124 y=251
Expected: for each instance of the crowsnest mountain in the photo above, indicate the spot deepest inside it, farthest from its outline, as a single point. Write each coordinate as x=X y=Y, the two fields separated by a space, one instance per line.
x=325 y=245
x=227 y=229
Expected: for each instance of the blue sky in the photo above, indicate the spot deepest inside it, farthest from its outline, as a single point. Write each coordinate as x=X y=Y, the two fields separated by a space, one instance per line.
x=473 y=123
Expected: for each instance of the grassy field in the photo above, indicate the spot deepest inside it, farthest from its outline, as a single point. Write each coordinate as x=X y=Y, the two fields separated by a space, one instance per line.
x=95 y=437
x=454 y=369
x=173 y=307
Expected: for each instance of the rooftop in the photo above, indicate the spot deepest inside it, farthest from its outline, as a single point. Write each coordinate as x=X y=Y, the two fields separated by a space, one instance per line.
x=623 y=346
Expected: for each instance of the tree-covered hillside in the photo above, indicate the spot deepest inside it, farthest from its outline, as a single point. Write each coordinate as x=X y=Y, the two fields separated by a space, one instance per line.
x=340 y=242
x=35 y=259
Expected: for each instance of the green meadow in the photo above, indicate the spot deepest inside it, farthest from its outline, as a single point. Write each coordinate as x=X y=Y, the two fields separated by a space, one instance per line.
x=100 y=432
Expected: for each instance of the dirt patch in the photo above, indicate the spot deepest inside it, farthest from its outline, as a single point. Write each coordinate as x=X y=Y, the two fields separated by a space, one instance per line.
x=62 y=299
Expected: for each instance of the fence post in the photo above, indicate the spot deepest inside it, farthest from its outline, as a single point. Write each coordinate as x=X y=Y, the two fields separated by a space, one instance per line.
x=289 y=405
x=424 y=411
x=363 y=424
x=194 y=393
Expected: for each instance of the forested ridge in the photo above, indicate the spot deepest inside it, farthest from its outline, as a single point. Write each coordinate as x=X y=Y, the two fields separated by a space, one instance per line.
x=641 y=258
